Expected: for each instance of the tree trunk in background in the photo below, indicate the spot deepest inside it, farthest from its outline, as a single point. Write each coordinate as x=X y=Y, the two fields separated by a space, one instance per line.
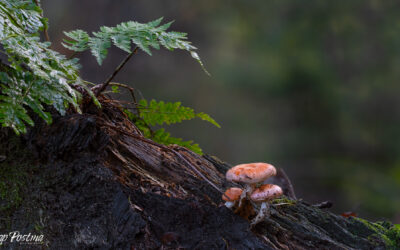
x=91 y=181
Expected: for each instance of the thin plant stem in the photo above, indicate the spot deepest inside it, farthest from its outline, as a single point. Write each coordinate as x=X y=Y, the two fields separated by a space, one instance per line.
x=103 y=86
x=45 y=32
x=131 y=90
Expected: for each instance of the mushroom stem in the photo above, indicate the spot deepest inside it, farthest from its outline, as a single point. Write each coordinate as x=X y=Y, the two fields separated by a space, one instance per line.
x=247 y=190
x=229 y=204
x=262 y=214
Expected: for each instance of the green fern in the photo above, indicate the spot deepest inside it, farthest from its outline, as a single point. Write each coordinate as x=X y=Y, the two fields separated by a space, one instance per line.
x=143 y=35
x=161 y=136
x=37 y=76
x=159 y=113
x=36 y=73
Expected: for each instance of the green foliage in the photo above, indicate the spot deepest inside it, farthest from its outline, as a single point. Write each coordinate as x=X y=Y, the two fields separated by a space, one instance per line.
x=36 y=73
x=163 y=137
x=143 y=35
x=387 y=231
x=159 y=113
x=114 y=89
x=394 y=235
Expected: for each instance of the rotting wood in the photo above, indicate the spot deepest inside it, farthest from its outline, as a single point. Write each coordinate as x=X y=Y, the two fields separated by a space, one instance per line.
x=103 y=185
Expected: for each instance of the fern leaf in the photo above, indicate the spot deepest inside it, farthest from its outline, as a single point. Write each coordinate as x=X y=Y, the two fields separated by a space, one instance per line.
x=165 y=26
x=163 y=137
x=159 y=113
x=160 y=135
x=142 y=43
x=49 y=76
x=206 y=117
x=38 y=108
x=155 y=23
x=98 y=47
x=80 y=40
x=143 y=35
x=197 y=57
x=122 y=41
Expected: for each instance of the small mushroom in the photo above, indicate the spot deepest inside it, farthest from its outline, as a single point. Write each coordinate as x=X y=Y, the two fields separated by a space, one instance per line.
x=264 y=194
x=250 y=174
x=231 y=196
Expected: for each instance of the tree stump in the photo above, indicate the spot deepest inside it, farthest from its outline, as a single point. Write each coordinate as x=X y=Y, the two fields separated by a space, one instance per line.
x=93 y=182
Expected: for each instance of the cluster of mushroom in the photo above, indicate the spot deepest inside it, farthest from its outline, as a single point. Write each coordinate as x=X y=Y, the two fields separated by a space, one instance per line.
x=252 y=175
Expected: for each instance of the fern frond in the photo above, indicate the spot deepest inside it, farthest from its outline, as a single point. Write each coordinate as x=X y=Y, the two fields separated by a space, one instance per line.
x=143 y=35
x=208 y=118
x=158 y=113
x=48 y=77
x=80 y=42
x=161 y=136
x=23 y=14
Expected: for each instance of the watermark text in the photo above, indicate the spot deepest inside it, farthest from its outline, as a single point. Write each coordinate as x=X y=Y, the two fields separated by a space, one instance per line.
x=19 y=237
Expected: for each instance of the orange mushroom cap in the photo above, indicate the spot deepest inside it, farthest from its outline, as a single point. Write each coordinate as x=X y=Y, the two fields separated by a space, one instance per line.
x=251 y=172
x=232 y=193
x=266 y=192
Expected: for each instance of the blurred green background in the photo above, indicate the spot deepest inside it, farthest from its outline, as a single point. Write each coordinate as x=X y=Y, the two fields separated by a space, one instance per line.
x=309 y=86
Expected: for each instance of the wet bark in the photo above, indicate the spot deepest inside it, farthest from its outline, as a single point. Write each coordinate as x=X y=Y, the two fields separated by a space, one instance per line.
x=101 y=185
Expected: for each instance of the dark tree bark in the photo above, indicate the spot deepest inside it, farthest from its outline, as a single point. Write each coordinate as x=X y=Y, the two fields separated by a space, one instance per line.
x=100 y=185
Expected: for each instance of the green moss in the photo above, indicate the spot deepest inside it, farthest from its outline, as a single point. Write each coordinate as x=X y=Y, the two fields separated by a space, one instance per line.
x=394 y=235
x=385 y=231
x=283 y=200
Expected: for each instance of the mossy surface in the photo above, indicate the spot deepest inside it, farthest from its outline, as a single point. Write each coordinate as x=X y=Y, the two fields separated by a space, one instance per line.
x=283 y=201
x=390 y=233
